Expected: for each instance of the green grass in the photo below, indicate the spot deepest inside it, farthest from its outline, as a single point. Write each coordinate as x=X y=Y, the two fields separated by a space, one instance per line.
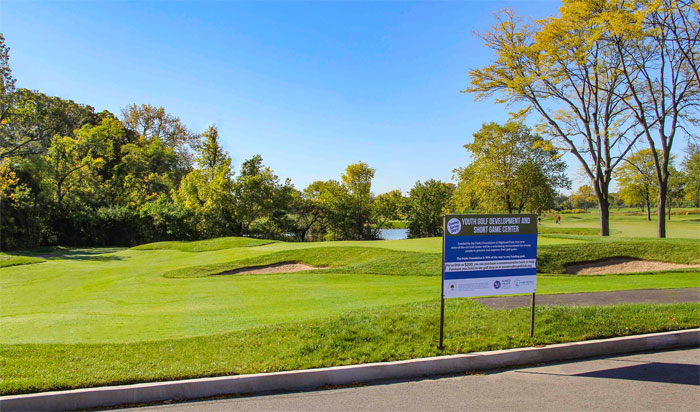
x=127 y=295
x=343 y=259
x=368 y=335
x=11 y=260
x=205 y=245
x=626 y=226
x=556 y=230
x=87 y=317
x=553 y=259
x=547 y=284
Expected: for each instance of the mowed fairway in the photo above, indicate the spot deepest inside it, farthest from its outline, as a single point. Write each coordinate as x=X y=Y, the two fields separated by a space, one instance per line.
x=629 y=226
x=165 y=291
x=91 y=317
x=123 y=295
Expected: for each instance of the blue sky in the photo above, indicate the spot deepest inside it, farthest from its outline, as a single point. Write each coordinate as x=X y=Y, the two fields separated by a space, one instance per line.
x=312 y=87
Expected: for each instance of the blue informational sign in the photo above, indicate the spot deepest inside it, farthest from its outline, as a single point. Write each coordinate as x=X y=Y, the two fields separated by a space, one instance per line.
x=487 y=255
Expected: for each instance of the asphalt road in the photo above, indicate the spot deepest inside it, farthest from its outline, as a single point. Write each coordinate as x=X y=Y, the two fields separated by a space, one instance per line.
x=661 y=381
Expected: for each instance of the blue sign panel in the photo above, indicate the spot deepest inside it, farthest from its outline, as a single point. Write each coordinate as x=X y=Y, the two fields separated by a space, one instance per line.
x=489 y=255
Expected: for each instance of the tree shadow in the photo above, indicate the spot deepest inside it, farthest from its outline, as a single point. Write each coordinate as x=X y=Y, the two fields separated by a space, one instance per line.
x=678 y=373
x=104 y=254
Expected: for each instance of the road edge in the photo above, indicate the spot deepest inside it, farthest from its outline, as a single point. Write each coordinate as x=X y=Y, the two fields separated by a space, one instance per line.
x=309 y=379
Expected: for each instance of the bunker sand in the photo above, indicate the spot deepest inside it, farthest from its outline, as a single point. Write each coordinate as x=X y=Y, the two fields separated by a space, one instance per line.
x=282 y=267
x=622 y=265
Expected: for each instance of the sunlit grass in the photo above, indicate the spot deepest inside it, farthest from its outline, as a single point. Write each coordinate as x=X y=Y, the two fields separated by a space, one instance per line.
x=359 y=336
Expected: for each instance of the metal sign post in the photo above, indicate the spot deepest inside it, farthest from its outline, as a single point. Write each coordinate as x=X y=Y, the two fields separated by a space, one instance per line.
x=532 y=316
x=486 y=255
x=442 y=288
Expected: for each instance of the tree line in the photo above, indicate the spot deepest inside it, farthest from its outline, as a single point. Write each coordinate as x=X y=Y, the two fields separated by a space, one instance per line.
x=637 y=186
x=602 y=77
x=72 y=176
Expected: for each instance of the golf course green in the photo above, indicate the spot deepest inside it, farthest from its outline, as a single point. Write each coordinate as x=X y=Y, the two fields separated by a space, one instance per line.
x=85 y=317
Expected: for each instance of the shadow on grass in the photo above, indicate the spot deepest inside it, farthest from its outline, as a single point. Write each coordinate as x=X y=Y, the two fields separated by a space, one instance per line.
x=59 y=253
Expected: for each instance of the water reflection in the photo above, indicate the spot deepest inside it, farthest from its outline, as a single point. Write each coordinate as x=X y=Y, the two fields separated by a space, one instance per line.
x=393 y=234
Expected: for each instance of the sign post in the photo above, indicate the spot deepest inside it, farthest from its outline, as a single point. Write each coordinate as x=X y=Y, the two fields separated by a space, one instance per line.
x=485 y=255
x=442 y=288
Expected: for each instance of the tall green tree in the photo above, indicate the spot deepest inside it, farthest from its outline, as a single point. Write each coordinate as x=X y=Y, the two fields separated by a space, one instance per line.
x=153 y=122
x=34 y=118
x=691 y=173
x=71 y=163
x=7 y=93
x=21 y=218
x=332 y=198
x=307 y=210
x=209 y=190
x=637 y=179
x=511 y=169
x=357 y=180
x=387 y=206
x=255 y=190
x=426 y=206
x=584 y=198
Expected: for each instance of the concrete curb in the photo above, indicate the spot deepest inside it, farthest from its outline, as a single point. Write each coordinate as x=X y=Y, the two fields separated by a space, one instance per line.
x=342 y=375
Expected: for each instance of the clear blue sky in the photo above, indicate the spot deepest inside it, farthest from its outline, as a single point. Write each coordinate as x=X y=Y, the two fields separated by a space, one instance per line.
x=312 y=87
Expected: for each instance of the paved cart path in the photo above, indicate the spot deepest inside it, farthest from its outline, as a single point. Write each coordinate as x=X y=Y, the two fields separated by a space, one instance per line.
x=597 y=298
x=660 y=381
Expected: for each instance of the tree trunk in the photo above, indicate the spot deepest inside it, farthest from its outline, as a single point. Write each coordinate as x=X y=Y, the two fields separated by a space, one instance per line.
x=662 y=209
x=601 y=192
x=648 y=208
x=669 y=207
x=604 y=218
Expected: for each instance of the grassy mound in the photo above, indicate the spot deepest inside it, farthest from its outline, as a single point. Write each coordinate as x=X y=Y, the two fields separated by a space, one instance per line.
x=380 y=261
x=360 y=336
x=11 y=260
x=343 y=259
x=205 y=245
x=553 y=259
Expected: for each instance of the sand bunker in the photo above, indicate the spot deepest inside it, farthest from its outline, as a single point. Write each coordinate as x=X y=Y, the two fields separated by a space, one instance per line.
x=282 y=267
x=622 y=265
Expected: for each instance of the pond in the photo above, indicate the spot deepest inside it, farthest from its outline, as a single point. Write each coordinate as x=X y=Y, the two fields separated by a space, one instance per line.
x=393 y=234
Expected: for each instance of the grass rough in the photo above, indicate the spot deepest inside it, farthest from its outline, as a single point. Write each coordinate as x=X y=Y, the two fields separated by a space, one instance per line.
x=370 y=335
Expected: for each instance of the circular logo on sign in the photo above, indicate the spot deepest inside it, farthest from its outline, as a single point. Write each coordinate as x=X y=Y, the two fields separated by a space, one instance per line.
x=452 y=287
x=454 y=226
x=517 y=283
x=497 y=284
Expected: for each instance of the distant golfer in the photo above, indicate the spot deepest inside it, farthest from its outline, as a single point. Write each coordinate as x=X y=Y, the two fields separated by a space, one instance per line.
x=558 y=219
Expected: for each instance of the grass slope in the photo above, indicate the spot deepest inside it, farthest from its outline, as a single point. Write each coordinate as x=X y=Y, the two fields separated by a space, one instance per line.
x=553 y=259
x=84 y=296
x=343 y=259
x=205 y=245
x=360 y=336
x=10 y=260
x=550 y=258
